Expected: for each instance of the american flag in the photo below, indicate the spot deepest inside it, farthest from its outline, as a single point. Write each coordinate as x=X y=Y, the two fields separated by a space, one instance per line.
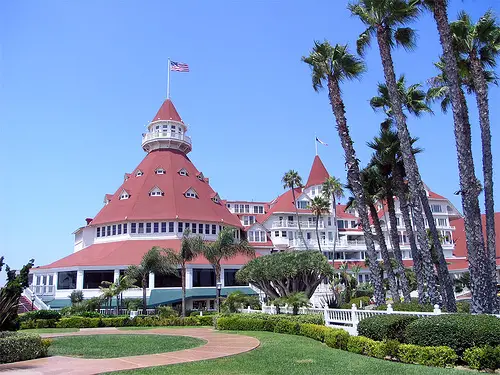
x=178 y=67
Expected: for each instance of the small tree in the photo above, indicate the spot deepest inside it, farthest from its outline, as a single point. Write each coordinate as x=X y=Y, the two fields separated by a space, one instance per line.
x=296 y=300
x=238 y=300
x=319 y=205
x=154 y=261
x=76 y=296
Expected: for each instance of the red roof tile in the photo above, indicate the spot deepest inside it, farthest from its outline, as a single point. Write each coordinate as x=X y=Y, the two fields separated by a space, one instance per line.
x=173 y=205
x=167 y=111
x=318 y=173
x=124 y=253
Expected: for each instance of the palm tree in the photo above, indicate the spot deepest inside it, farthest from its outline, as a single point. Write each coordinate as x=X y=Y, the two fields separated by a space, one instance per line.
x=191 y=247
x=156 y=261
x=334 y=64
x=292 y=180
x=319 y=205
x=470 y=188
x=479 y=45
x=386 y=20
x=116 y=288
x=334 y=188
x=225 y=247
x=296 y=300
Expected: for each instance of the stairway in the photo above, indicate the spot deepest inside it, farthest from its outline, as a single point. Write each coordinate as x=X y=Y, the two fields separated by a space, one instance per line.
x=24 y=305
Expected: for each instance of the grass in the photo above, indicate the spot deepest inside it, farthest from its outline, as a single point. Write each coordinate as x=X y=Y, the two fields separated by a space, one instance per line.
x=292 y=355
x=112 y=346
x=49 y=330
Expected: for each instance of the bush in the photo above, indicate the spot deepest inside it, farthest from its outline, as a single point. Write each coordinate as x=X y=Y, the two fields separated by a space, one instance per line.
x=481 y=358
x=39 y=323
x=366 y=346
x=114 y=322
x=314 y=331
x=385 y=327
x=205 y=320
x=262 y=322
x=288 y=327
x=16 y=347
x=306 y=318
x=336 y=338
x=439 y=356
x=392 y=348
x=365 y=300
x=167 y=312
x=205 y=313
x=463 y=307
x=457 y=331
x=78 y=322
x=76 y=296
x=412 y=306
x=40 y=314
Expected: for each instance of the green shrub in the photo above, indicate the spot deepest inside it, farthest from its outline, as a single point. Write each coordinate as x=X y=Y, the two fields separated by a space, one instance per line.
x=357 y=344
x=78 y=322
x=337 y=338
x=190 y=321
x=457 y=331
x=463 y=307
x=288 y=327
x=385 y=327
x=89 y=314
x=205 y=313
x=314 y=331
x=39 y=323
x=392 y=348
x=481 y=358
x=306 y=318
x=114 y=322
x=205 y=320
x=411 y=306
x=366 y=346
x=438 y=356
x=167 y=312
x=365 y=300
x=40 y=314
x=236 y=323
x=16 y=347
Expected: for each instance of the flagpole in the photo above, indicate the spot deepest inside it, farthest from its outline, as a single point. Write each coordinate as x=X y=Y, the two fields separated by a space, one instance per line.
x=168 y=79
x=316 y=144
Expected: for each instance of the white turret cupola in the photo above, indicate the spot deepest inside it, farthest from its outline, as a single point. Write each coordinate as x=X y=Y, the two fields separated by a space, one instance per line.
x=166 y=131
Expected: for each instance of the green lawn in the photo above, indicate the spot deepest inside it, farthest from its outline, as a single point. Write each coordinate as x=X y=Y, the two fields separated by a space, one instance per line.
x=156 y=327
x=111 y=346
x=290 y=355
x=49 y=330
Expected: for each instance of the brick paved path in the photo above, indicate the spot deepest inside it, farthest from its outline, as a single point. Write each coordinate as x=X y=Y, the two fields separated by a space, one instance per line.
x=218 y=345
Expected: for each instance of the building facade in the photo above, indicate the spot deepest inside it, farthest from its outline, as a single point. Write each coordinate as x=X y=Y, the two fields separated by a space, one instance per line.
x=165 y=195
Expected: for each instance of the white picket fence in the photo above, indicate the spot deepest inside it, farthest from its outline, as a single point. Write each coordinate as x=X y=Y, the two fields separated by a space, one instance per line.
x=347 y=319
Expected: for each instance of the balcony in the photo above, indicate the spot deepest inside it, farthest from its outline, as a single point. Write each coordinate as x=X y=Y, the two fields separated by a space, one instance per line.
x=293 y=224
x=167 y=139
x=326 y=244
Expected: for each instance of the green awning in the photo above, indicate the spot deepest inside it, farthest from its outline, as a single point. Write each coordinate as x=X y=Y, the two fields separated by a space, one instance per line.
x=59 y=303
x=165 y=296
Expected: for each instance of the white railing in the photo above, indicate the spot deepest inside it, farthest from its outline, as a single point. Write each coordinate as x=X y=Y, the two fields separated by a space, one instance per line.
x=293 y=224
x=43 y=290
x=297 y=242
x=112 y=311
x=165 y=135
x=37 y=302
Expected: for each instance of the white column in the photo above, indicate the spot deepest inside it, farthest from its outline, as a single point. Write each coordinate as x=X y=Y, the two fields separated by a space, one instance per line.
x=189 y=278
x=79 y=279
x=151 y=280
x=55 y=281
x=116 y=275
x=221 y=278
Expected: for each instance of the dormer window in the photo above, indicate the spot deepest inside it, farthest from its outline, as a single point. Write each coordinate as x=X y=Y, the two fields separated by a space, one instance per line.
x=124 y=195
x=216 y=198
x=191 y=193
x=126 y=177
x=160 y=171
x=183 y=172
x=156 y=192
x=200 y=176
x=139 y=173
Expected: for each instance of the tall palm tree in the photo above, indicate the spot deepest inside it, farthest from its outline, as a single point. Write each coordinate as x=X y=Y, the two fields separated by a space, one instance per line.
x=479 y=45
x=334 y=188
x=116 y=289
x=469 y=185
x=292 y=180
x=225 y=247
x=319 y=205
x=386 y=20
x=334 y=64
x=156 y=261
x=191 y=247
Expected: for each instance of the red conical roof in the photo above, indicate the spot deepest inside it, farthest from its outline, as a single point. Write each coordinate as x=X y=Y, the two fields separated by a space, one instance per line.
x=172 y=204
x=167 y=111
x=318 y=173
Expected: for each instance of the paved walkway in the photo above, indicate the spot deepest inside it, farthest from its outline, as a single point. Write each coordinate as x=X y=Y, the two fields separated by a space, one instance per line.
x=218 y=345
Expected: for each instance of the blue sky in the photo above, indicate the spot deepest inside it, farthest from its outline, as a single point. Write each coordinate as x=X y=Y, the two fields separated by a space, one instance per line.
x=80 y=80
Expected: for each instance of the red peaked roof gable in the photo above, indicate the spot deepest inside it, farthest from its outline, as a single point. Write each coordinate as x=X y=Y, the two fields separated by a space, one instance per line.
x=318 y=173
x=167 y=111
x=459 y=235
x=173 y=205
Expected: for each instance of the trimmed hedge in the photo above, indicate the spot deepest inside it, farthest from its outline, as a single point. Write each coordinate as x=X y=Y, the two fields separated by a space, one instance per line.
x=411 y=306
x=366 y=346
x=457 y=331
x=40 y=314
x=262 y=322
x=16 y=346
x=288 y=327
x=337 y=338
x=438 y=356
x=385 y=327
x=482 y=358
x=314 y=331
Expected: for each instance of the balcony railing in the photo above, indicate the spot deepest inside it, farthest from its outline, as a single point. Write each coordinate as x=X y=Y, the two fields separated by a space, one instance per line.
x=165 y=135
x=43 y=290
x=296 y=242
x=294 y=224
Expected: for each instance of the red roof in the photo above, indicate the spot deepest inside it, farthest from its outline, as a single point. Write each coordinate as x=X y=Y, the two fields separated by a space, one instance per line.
x=125 y=253
x=341 y=214
x=173 y=204
x=167 y=111
x=318 y=173
x=459 y=235
x=435 y=195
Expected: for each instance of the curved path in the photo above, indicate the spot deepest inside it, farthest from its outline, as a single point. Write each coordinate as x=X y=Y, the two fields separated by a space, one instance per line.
x=217 y=345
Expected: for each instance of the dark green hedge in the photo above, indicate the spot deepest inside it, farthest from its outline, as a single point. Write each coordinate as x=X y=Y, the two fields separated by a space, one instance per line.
x=458 y=331
x=40 y=314
x=262 y=322
x=483 y=358
x=385 y=327
x=15 y=346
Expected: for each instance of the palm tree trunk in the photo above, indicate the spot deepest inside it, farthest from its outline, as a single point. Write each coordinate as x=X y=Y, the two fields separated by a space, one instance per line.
x=410 y=164
x=415 y=254
x=393 y=232
x=144 y=302
x=298 y=220
x=479 y=264
x=354 y=179
x=183 y=284
x=393 y=286
x=317 y=233
x=481 y=89
x=336 y=237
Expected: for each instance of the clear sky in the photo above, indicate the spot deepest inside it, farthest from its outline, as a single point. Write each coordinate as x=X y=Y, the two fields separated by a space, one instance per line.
x=80 y=80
